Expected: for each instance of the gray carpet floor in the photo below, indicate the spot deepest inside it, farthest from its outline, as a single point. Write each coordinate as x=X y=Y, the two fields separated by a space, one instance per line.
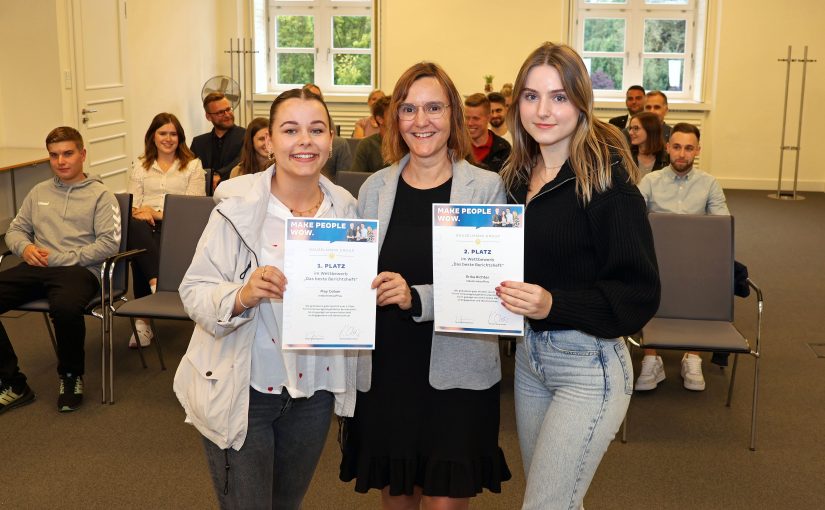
x=685 y=450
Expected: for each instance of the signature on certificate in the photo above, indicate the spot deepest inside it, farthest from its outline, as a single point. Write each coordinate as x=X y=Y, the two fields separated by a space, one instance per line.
x=496 y=319
x=460 y=319
x=313 y=335
x=349 y=332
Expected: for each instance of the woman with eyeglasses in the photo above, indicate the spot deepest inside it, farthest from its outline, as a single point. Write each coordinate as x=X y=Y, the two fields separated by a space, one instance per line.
x=166 y=166
x=425 y=429
x=590 y=276
x=647 y=142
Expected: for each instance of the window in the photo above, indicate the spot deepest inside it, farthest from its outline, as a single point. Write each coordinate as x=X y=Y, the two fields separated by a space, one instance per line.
x=327 y=42
x=652 y=43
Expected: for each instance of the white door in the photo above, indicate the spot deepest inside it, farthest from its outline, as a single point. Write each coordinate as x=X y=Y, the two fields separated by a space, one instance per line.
x=99 y=32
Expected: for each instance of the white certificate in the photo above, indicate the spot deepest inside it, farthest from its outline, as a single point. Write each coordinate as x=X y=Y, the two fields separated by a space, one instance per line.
x=329 y=265
x=475 y=248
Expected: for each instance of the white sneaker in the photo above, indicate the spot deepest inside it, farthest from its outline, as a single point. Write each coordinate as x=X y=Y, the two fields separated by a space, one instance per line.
x=653 y=372
x=144 y=332
x=692 y=372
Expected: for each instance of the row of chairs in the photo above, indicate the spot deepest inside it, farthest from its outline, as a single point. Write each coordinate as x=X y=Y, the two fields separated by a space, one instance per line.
x=185 y=219
x=695 y=256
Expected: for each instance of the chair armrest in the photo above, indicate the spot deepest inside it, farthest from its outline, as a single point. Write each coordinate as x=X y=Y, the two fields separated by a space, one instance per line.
x=3 y=255
x=760 y=306
x=109 y=266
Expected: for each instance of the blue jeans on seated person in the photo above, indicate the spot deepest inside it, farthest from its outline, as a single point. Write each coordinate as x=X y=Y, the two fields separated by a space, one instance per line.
x=274 y=467
x=571 y=393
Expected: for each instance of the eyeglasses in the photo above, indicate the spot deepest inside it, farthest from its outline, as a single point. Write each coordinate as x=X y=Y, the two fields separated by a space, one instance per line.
x=225 y=111
x=433 y=110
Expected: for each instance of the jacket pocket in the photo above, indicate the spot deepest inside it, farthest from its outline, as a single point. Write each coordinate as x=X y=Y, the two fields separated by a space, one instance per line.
x=209 y=392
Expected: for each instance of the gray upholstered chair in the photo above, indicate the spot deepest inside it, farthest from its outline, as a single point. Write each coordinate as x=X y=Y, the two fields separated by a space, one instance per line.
x=695 y=256
x=353 y=144
x=351 y=181
x=184 y=218
x=114 y=284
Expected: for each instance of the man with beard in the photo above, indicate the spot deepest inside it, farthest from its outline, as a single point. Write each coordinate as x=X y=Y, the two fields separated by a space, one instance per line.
x=680 y=189
x=219 y=149
x=635 y=102
x=498 y=111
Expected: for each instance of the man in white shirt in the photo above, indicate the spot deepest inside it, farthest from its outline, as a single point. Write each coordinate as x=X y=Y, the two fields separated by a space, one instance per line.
x=681 y=189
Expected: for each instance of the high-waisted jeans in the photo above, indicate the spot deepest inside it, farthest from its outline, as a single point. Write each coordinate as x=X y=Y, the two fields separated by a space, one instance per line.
x=571 y=392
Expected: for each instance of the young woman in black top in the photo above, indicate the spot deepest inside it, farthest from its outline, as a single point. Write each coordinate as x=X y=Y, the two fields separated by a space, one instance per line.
x=590 y=276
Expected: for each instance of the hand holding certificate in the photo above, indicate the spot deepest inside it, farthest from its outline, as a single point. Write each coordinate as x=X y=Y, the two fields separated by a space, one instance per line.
x=473 y=253
x=330 y=264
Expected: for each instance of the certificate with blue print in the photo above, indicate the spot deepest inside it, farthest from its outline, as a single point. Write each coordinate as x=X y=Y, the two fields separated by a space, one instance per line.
x=329 y=265
x=475 y=248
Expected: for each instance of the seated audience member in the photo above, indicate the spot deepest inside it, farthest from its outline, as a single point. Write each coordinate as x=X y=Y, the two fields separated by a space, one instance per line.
x=507 y=92
x=219 y=149
x=679 y=188
x=62 y=246
x=368 y=126
x=368 y=156
x=647 y=145
x=167 y=166
x=340 y=157
x=255 y=155
x=656 y=102
x=635 y=102
x=490 y=151
x=498 y=114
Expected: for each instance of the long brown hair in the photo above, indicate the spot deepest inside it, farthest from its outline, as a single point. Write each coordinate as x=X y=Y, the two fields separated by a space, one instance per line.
x=249 y=156
x=150 y=151
x=652 y=125
x=593 y=143
x=393 y=146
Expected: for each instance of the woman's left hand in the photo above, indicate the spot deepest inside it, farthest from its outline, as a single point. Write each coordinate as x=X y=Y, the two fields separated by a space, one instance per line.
x=392 y=290
x=526 y=299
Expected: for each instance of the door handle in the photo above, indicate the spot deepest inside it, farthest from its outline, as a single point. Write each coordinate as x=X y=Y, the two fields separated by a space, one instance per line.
x=87 y=110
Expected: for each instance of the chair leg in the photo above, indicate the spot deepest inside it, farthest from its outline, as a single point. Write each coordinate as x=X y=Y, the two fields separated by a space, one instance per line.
x=104 y=329
x=755 y=398
x=157 y=344
x=137 y=338
x=732 y=379
x=51 y=333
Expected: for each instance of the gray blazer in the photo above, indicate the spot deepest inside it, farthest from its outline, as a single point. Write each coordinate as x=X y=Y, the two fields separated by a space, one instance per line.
x=457 y=360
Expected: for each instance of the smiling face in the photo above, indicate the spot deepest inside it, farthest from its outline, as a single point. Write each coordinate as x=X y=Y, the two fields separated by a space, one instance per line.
x=497 y=113
x=66 y=161
x=166 y=139
x=301 y=138
x=637 y=133
x=261 y=144
x=545 y=111
x=426 y=135
x=635 y=101
x=477 y=118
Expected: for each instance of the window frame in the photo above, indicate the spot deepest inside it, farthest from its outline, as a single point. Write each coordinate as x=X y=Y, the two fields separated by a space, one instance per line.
x=635 y=13
x=323 y=51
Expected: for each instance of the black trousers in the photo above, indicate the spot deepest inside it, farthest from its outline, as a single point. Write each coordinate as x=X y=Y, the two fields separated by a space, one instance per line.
x=144 y=266
x=69 y=290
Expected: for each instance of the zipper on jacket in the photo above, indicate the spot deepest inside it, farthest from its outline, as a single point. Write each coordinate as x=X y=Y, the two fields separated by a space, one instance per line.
x=242 y=275
x=540 y=193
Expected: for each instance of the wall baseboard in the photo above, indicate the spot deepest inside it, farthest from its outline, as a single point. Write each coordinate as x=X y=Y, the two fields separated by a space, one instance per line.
x=770 y=184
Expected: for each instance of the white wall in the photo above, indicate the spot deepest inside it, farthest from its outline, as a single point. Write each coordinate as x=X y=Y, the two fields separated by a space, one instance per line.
x=172 y=50
x=30 y=83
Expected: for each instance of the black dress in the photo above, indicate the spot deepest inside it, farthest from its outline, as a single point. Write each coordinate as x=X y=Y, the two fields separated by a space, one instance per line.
x=405 y=432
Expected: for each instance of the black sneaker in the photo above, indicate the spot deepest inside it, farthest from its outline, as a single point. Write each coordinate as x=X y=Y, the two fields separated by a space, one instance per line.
x=70 y=394
x=9 y=399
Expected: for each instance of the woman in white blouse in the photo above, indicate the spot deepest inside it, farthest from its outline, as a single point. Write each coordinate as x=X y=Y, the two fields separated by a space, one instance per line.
x=166 y=166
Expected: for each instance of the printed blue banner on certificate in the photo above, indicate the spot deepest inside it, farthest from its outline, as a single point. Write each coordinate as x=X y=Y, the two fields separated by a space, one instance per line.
x=476 y=247
x=329 y=265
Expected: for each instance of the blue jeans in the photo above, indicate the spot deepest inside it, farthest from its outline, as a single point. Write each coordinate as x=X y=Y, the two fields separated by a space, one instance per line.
x=571 y=392
x=274 y=467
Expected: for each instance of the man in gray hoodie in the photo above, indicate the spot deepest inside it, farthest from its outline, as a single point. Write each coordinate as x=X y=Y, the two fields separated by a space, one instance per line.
x=65 y=229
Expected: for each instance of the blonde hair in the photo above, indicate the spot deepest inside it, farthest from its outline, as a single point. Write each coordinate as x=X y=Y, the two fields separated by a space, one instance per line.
x=594 y=143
